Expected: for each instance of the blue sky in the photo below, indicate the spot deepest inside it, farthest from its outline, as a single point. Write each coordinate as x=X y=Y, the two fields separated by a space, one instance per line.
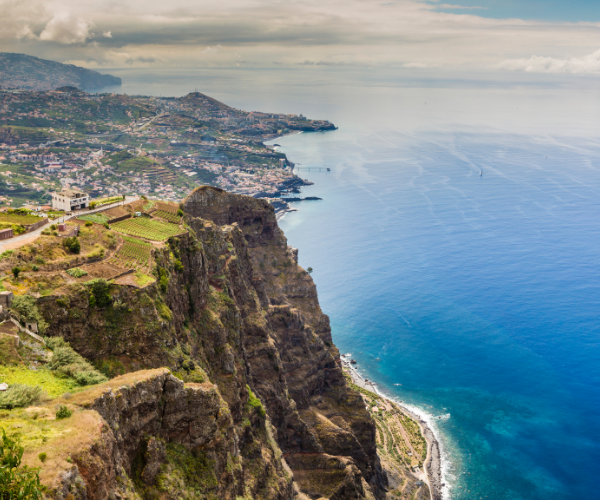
x=543 y=10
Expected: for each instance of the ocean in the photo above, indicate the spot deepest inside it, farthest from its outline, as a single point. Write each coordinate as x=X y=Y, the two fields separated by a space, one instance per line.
x=456 y=251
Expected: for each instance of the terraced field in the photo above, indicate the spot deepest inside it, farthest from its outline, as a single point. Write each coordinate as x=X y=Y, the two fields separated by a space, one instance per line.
x=97 y=218
x=174 y=218
x=19 y=219
x=149 y=229
x=133 y=254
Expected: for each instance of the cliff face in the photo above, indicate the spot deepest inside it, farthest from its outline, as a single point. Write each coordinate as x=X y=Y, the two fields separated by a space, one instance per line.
x=234 y=316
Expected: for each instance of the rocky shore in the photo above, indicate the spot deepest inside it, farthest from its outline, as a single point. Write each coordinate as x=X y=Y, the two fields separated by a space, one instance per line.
x=433 y=463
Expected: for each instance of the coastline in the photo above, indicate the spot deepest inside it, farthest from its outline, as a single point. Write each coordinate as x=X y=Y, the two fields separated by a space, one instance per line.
x=433 y=463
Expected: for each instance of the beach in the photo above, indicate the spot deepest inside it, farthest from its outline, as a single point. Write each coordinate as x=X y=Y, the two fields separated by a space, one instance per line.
x=433 y=464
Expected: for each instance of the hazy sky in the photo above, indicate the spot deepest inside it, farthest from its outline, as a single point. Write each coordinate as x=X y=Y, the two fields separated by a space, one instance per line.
x=556 y=36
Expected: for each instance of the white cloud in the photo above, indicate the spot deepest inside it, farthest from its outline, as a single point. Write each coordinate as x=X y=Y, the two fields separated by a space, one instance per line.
x=538 y=64
x=460 y=7
x=107 y=34
x=26 y=33
x=66 y=29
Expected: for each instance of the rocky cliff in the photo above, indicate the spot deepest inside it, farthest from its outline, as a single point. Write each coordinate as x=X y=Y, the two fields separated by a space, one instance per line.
x=257 y=405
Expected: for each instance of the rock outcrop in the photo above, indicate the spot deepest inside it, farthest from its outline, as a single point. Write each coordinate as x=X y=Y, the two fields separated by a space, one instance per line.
x=234 y=316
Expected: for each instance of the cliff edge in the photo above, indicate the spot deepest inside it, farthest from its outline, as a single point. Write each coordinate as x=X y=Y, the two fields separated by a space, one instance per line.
x=230 y=385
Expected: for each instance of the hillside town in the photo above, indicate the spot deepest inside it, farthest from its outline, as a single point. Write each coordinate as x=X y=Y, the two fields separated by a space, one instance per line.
x=113 y=145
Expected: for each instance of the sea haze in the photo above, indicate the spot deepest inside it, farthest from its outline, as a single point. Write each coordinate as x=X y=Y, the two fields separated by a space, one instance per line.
x=456 y=253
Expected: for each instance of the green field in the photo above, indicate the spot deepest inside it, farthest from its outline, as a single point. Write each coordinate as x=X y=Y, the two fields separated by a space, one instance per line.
x=174 y=218
x=133 y=253
x=107 y=201
x=97 y=218
x=147 y=228
x=20 y=219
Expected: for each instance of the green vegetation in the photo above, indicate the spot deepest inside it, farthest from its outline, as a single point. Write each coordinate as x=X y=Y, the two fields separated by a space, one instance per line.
x=18 y=217
x=76 y=272
x=133 y=253
x=63 y=412
x=254 y=404
x=97 y=218
x=16 y=271
x=20 y=396
x=26 y=308
x=147 y=228
x=168 y=216
x=142 y=279
x=53 y=383
x=187 y=470
x=17 y=482
x=66 y=361
x=72 y=244
x=99 y=293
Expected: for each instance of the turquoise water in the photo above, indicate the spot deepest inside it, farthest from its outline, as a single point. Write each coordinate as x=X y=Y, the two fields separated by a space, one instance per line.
x=472 y=297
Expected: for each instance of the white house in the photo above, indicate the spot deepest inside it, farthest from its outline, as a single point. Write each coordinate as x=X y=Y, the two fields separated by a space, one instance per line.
x=70 y=199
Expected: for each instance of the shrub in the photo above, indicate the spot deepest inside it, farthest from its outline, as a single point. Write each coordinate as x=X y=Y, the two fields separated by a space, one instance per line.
x=20 y=396
x=163 y=280
x=76 y=272
x=106 y=225
x=99 y=293
x=88 y=224
x=26 y=307
x=43 y=456
x=72 y=244
x=180 y=212
x=67 y=361
x=63 y=412
x=35 y=268
x=178 y=266
x=54 y=227
x=16 y=271
x=17 y=482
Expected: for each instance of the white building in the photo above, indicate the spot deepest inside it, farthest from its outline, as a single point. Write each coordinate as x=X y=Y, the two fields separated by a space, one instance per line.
x=70 y=199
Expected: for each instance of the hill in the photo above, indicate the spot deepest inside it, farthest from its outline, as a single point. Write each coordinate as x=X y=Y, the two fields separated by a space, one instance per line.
x=33 y=73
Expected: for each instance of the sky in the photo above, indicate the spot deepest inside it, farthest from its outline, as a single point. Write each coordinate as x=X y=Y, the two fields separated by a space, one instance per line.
x=532 y=36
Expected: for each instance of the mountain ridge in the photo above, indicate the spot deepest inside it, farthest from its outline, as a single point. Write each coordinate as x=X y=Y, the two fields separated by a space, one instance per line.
x=21 y=71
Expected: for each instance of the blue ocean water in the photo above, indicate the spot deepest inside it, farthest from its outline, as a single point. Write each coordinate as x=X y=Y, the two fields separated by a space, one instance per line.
x=456 y=251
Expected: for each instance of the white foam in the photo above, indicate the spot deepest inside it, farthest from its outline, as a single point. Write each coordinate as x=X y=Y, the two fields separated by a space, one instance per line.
x=445 y=463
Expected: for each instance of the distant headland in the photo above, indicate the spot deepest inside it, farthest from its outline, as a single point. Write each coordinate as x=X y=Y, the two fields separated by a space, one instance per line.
x=20 y=71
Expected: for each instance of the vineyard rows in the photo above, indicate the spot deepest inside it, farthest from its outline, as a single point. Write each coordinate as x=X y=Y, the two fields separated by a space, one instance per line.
x=174 y=218
x=133 y=254
x=146 y=228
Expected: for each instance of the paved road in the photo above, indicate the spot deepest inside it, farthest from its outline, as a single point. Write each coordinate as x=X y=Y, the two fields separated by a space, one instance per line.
x=24 y=239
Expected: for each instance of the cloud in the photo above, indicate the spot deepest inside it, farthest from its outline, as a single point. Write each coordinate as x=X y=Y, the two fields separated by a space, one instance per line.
x=66 y=29
x=538 y=64
x=400 y=33
x=140 y=59
x=459 y=7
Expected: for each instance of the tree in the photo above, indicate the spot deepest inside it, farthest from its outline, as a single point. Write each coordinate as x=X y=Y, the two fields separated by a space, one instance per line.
x=73 y=244
x=309 y=270
x=16 y=481
x=16 y=271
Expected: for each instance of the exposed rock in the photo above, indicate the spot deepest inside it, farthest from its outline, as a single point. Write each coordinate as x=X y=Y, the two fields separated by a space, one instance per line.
x=241 y=323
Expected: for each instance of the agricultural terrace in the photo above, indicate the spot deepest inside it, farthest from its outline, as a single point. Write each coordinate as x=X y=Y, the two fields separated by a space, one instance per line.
x=168 y=216
x=167 y=207
x=107 y=201
x=14 y=218
x=133 y=254
x=147 y=228
x=97 y=218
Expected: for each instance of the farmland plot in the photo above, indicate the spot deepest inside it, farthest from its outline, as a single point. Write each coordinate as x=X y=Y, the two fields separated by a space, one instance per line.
x=149 y=229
